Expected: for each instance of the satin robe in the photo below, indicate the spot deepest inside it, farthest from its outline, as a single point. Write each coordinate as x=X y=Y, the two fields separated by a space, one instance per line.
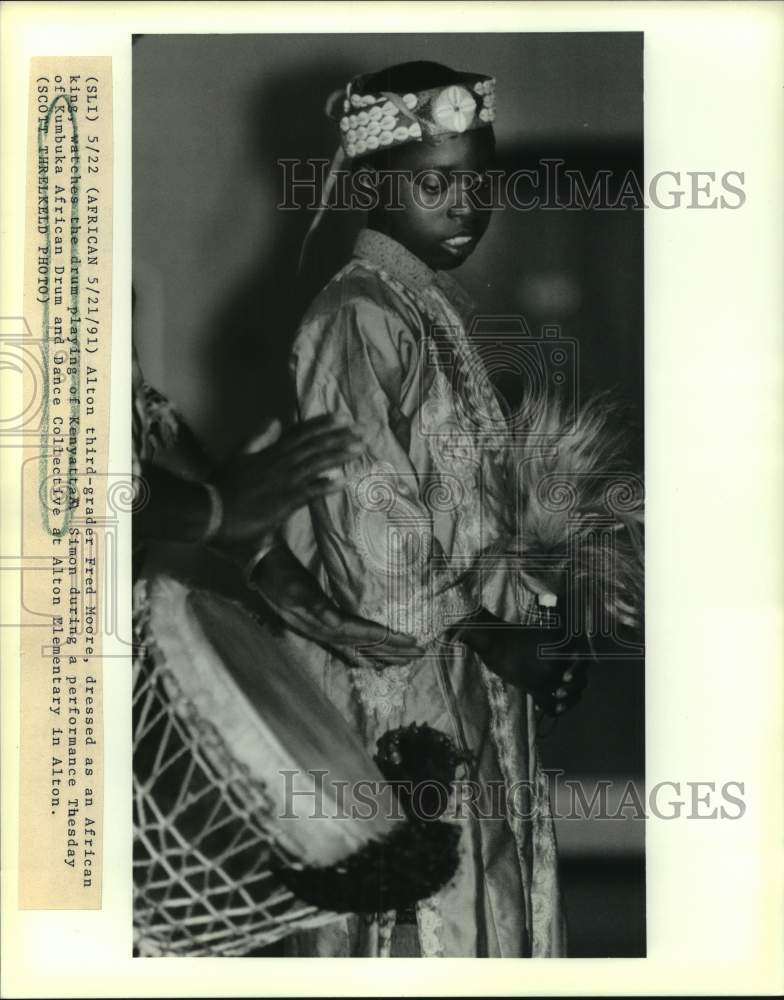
x=385 y=345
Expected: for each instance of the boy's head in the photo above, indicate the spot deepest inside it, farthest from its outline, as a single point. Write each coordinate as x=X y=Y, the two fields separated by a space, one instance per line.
x=422 y=136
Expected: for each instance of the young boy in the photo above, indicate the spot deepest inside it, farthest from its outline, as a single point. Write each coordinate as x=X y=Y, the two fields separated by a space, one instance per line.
x=406 y=542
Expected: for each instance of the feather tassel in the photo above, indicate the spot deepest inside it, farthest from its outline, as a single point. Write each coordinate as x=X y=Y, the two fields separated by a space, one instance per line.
x=574 y=507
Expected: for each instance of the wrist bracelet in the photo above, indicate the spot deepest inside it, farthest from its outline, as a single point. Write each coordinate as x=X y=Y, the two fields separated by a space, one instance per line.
x=216 y=513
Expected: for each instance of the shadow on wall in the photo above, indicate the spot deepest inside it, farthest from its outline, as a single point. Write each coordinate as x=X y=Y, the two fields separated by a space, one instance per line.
x=250 y=382
x=223 y=300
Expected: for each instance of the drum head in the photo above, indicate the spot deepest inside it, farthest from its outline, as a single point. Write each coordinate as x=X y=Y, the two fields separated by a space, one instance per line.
x=330 y=798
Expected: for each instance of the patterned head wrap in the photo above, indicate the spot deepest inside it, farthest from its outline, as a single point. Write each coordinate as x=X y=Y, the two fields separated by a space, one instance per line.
x=370 y=121
x=373 y=119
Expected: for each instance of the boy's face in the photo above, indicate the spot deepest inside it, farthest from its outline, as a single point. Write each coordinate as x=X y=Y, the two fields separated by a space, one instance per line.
x=440 y=220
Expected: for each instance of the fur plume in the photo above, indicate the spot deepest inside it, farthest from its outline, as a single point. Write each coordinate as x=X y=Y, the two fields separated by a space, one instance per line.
x=575 y=508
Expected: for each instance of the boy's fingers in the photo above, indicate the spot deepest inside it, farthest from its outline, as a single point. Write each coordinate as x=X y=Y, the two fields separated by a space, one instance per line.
x=570 y=700
x=564 y=696
x=575 y=677
x=546 y=703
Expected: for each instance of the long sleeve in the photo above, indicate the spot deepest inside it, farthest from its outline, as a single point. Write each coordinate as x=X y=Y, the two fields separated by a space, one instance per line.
x=413 y=541
x=385 y=540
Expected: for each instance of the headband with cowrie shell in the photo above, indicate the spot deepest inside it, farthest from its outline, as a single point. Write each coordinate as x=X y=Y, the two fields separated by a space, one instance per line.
x=373 y=121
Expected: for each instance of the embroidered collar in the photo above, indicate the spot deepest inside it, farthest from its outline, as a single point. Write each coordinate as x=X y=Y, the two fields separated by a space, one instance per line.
x=399 y=263
x=393 y=257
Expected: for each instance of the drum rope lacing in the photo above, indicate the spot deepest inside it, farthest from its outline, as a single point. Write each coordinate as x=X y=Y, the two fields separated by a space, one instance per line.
x=188 y=900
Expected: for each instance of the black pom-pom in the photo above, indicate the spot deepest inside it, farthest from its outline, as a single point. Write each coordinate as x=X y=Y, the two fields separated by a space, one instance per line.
x=420 y=762
x=412 y=863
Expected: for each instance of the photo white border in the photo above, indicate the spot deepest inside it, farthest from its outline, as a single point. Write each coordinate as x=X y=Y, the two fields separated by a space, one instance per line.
x=714 y=100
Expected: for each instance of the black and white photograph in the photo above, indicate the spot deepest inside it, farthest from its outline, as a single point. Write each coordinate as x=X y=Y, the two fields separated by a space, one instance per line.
x=391 y=486
x=388 y=330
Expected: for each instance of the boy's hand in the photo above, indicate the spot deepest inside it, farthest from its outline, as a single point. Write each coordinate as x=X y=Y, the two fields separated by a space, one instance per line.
x=519 y=654
x=555 y=677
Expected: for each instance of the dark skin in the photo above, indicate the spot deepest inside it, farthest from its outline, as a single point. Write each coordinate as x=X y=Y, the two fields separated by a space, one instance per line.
x=259 y=493
x=260 y=489
x=434 y=188
x=519 y=654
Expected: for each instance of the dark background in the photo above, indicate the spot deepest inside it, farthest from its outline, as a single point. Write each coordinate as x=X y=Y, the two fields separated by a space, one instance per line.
x=218 y=296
